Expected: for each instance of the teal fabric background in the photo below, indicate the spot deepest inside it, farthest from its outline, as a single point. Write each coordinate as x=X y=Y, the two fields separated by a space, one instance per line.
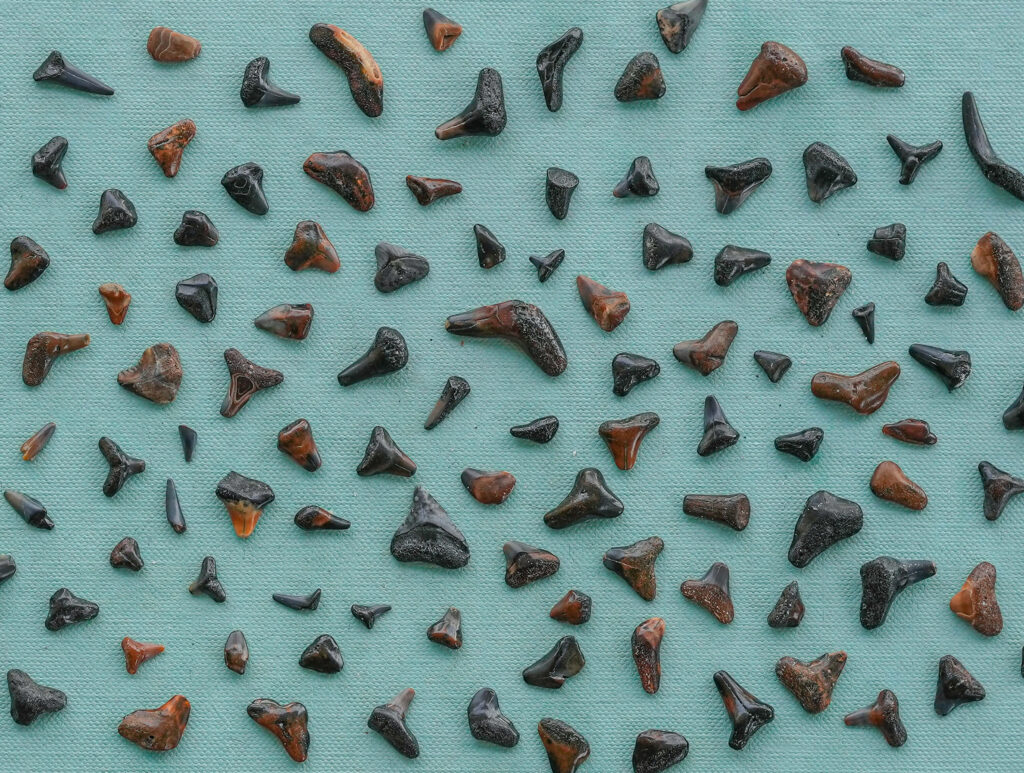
x=945 y=48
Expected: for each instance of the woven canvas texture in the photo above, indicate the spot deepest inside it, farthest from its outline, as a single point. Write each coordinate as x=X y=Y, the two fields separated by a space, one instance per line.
x=945 y=48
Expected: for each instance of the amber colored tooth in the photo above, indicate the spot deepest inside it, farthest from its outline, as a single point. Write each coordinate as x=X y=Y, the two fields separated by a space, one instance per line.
x=816 y=288
x=427 y=190
x=607 y=307
x=340 y=172
x=287 y=722
x=247 y=378
x=573 y=608
x=41 y=351
x=244 y=499
x=311 y=249
x=913 y=431
x=994 y=260
x=976 y=601
x=884 y=714
x=365 y=80
x=565 y=747
x=157 y=730
x=635 y=564
x=168 y=145
x=117 y=300
x=775 y=70
x=712 y=592
x=484 y=115
x=889 y=482
x=623 y=437
x=521 y=323
x=138 y=652
x=811 y=683
x=296 y=440
x=865 y=392
x=28 y=262
x=732 y=510
x=166 y=45
x=157 y=376
x=707 y=354
x=646 y=652
x=870 y=71
x=30 y=448
x=488 y=488
x=388 y=719
x=747 y=713
x=315 y=518
x=441 y=30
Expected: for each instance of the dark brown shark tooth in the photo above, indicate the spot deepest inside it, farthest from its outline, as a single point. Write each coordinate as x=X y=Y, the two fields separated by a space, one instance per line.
x=827 y=172
x=388 y=719
x=1000 y=487
x=773 y=364
x=122 y=466
x=641 y=79
x=623 y=437
x=299 y=601
x=608 y=307
x=296 y=440
x=207 y=582
x=639 y=180
x=718 y=432
x=247 y=378
x=912 y=157
x=994 y=260
x=826 y=519
x=287 y=722
x=287 y=320
x=43 y=349
x=889 y=241
x=711 y=592
x=116 y=212
x=29 y=508
x=7 y=567
x=551 y=62
x=259 y=91
x=976 y=601
x=448 y=630
x=747 y=713
x=546 y=265
x=870 y=71
x=732 y=510
x=236 y=652
x=244 y=499
x=956 y=686
x=244 y=183
x=996 y=170
x=733 y=184
x=707 y=354
x=189 y=438
x=489 y=251
x=31 y=448
x=311 y=249
x=521 y=323
x=889 y=482
x=656 y=751
x=427 y=534
x=864 y=316
x=913 y=431
x=884 y=714
x=138 y=652
x=126 y=555
x=789 y=609
x=343 y=175
x=803 y=444
x=732 y=262
x=488 y=488
x=365 y=80
x=811 y=683
x=487 y=722
x=172 y=508
x=388 y=353
x=484 y=115
x=817 y=287
x=1013 y=416
x=441 y=30
x=647 y=652
x=322 y=655
x=383 y=455
x=775 y=70
x=157 y=377
x=196 y=230
x=59 y=70
x=198 y=296
x=677 y=23
x=566 y=748
x=46 y=162
x=67 y=609
x=542 y=430
x=865 y=392
x=367 y=614
x=573 y=608
x=589 y=498
x=168 y=145
x=635 y=564
x=882 y=580
x=628 y=370
x=157 y=730
x=30 y=700
x=28 y=262
x=663 y=248
x=953 y=367
x=397 y=267
x=166 y=45
x=947 y=290
x=314 y=518
x=525 y=564
x=560 y=185
x=562 y=662
x=427 y=190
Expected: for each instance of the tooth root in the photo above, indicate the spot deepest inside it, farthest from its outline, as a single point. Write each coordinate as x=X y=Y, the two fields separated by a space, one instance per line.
x=489 y=251
x=747 y=713
x=126 y=555
x=311 y=249
x=826 y=171
x=733 y=184
x=889 y=241
x=525 y=564
x=1000 y=487
x=308 y=601
x=484 y=115
x=789 y=609
x=803 y=444
x=28 y=262
x=732 y=262
x=46 y=162
x=655 y=751
x=546 y=265
x=168 y=145
x=287 y=723
x=166 y=45
x=707 y=354
x=663 y=248
x=641 y=79
x=116 y=212
x=138 y=652
x=953 y=367
x=573 y=608
x=913 y=431
x=397 y=267
x=67 y=609
x=976 y=601
x=41 y=351
x=236 y=652
x=196 y=230
x=365 y=80
x=994 y=260
x=296 y=440
x=448 y=630
x=122 y=466
x=870 y=71
x=244 y=498
x=994 y=168
x=313 y=518
x=775 y=70
x=383 y=455
x=57 y=69
x=589 y=498
x=947 y=290
x=956 y=686
x=117 y=300
x=718 y=432
x=811 y=683
x=711 y=592
x=623 y=437
x=387 y=354
x=246 y=379
x=427 y=534
x=322 y=655
x=486 y=721
x=912 y=157
x=883 y=579
x=635 y=564
x=30 y=700
x=773 y=364
x=32 y=510
x=889 y=482
x=389 y=721
x=646 y=644
x=732 y=510
x=244 y=184
x=542 y=430
x=608 y=307
x=157 y=377
x=427 y=190
x=31 y=448
x=521 y=323
x=826 y=519
x=677 y=23
x=551 y=62
x=368 y=614
x=172 y=508
x=488 y=488
x=441 y=31
x=562 y=662
x=565 y=747
x=865 y=392
x=207 y=581
x=884 y=714
x=158 y=730
x=259 y=91
x=189 y=438
x=639 y=180
x=865 y=318
x=560 y=185
x=343 y=175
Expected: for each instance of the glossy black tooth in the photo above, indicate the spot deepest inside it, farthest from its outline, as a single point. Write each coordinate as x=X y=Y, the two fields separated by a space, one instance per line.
x=244 y=184
x=313 y=518
x=546 y=265
x=485 y=114
x=562 y=662
x=198 y=296
x=259 y=91
x=865 y=317
x=789 y=609
x=889 y=241
x=207 y=581
x=827 y=172
x=641 y=79
x=368 y=614
x=323 y=655
x=1013 y=416
x=733 y=262
x=1000 y=487
x=953 y=367
x=912 y=157
x=388 y=719
x=561 y=185
x=882 y=580
x=994 y=168
x=32 y=510
x=188 y=441
x=773 y=364
x=122 y=466
x=46 y=162
x=540 y=430
x=635 y=564
x=947 y=290
x=126 y=555
x=525 y=564
x=487 y=723
x=57 y=69
x=308 y=601
x=387 y=354
x=656 y=751
x=718 y=432
x=663 y=248
x=383 y=455
x=628 y=370
x=175 y=517
x=589 y=498
x=803 y=444
x=677 y=23
x=551 y=63
x=397 y=267
x=196 y=230
x=455 y=390
x=826 y=519
x=639 y=180
x=116 y=212
x=67 y=609
x=489 y=251
x=427 y=534
x=236 y=652
x=733 y=184
x=747 y=713
x=30 y=700
x=7 y=566
x=448 y=630
x=956 y=686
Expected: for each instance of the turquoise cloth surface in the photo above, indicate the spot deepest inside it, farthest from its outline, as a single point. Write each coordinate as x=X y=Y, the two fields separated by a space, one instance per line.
x=945 y=48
